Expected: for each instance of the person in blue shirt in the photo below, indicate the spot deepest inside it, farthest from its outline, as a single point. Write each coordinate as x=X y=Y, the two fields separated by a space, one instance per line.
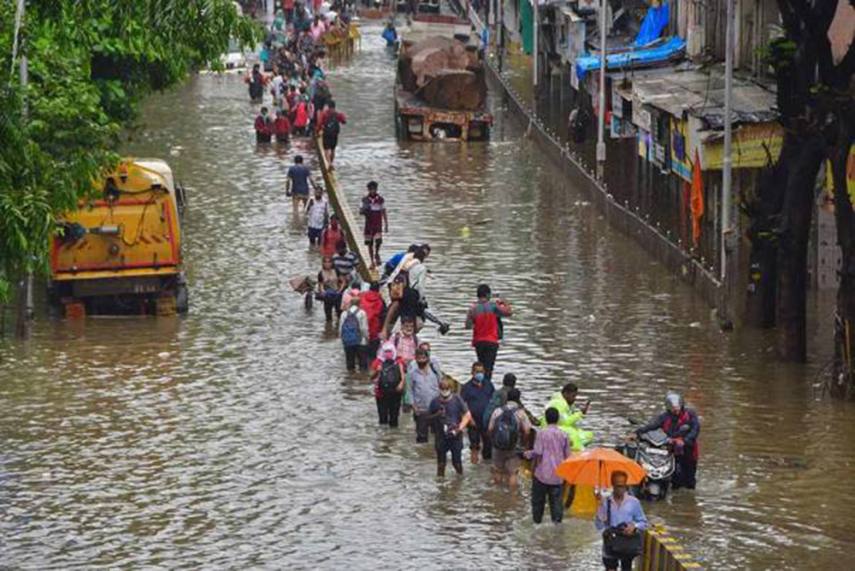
x=390 y=34
x=477 y=394
x=621 y=511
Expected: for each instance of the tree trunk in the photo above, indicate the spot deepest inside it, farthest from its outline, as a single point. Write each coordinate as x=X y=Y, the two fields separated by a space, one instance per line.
x=764 y=211
x=797 y=213
x=22 y=323
x=843 y=381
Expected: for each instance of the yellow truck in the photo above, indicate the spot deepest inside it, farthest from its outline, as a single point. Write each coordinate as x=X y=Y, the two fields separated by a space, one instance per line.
x=120 y=251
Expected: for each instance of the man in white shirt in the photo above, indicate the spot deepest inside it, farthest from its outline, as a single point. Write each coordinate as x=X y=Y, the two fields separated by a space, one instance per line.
x=317 y=214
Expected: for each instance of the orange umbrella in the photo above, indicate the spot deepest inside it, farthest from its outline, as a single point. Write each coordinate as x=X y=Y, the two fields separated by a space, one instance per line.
x=595 y=466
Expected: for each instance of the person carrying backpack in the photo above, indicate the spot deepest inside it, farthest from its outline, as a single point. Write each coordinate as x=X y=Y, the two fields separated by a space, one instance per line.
x=354 y=335
x=330 y=126
x=388 y=379
x=509 y=430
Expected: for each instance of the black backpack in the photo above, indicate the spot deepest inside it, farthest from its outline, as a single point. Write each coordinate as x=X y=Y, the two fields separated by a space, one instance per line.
x=390 y=377
x=506 y=430
x=331 y=126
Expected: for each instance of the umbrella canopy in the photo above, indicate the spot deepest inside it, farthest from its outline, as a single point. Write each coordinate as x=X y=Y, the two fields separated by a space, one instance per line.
x=595 y=466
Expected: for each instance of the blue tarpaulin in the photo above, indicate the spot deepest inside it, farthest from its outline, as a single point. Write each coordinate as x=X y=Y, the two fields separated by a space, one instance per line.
x=651 y=27
x=633 y=57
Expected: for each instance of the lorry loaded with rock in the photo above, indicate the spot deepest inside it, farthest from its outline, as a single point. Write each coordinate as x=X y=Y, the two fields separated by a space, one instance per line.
x=441 y=89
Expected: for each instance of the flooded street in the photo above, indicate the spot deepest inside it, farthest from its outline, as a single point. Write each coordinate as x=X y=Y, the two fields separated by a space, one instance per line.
x=234 y=437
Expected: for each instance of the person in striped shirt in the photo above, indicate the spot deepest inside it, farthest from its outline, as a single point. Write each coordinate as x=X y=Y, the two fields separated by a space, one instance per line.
x=344 y=262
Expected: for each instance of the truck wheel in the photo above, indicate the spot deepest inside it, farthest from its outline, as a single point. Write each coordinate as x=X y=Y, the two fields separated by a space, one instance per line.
x=182 y=299
x=181 y=198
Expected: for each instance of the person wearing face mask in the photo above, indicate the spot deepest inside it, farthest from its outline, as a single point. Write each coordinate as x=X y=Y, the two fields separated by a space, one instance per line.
x=422 y=387
x=388 y=378
x=477 y=394
x=450 y=416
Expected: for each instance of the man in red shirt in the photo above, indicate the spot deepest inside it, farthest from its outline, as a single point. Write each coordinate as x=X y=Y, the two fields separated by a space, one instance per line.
x=376 y=222
x=281 y=127
x=263 y=127
x=484 y=319
x=329 y=125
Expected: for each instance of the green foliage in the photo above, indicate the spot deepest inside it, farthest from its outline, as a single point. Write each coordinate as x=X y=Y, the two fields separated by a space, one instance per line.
x=91 y=62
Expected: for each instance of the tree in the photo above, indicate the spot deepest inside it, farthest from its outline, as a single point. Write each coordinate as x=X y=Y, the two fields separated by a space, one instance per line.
x=91 y=62
x=814 y=98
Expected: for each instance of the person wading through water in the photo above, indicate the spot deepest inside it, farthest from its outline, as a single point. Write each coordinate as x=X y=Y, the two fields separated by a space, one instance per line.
x=388 y=378
x=256 y=81
x=477 y=394
x=317 y=214
x=330 y=126
x=331 y=236
x=376 y=222
x=551 y=448
x=450 y=416
x=298 y=181
x=421 y=388
x=354 y=336
x=484 y=319
x=509 y=430
x=263 y=127
x=621 y=521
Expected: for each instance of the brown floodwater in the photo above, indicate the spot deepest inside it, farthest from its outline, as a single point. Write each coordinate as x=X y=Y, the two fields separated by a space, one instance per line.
x=234 y=437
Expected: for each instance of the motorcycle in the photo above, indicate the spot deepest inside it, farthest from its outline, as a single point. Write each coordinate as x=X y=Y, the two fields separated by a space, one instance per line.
x=653 y=452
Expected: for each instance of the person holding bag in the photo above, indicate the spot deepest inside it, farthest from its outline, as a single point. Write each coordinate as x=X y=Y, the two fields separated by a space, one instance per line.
x=622 y=521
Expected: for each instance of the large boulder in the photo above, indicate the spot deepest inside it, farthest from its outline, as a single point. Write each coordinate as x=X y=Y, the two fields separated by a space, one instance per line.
x=444 y=72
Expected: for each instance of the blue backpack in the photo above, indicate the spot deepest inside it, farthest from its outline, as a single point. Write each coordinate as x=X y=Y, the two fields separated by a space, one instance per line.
x=350 y=335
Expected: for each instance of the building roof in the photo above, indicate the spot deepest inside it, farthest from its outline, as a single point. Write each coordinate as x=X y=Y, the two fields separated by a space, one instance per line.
x=701 y=94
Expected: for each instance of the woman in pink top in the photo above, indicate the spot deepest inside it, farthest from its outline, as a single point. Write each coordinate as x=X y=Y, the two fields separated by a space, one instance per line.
x=317 y=29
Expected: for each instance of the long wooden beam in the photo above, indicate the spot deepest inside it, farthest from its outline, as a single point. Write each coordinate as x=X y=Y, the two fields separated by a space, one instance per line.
x=352 y=229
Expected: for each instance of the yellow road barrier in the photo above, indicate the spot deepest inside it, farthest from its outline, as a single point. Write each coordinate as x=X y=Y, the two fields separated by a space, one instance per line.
x=662 y=552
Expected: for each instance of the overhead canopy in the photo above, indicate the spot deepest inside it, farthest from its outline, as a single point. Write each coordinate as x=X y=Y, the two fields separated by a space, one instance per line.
x=662 y=52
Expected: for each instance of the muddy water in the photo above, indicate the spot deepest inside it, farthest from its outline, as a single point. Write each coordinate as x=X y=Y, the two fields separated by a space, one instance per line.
x=234 y=438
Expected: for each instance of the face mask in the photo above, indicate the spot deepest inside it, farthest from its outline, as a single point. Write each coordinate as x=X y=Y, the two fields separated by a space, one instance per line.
x=445 y=394
x=479 y=377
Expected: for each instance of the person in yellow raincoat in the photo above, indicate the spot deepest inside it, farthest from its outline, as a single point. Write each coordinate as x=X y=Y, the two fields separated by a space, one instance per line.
x=569 y=415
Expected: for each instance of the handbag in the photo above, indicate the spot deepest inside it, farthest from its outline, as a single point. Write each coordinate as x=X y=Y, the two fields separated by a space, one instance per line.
x=616 y=543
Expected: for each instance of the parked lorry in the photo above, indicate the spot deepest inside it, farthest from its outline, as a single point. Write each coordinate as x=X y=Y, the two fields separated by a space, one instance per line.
x=441 y=89
x=120 y=251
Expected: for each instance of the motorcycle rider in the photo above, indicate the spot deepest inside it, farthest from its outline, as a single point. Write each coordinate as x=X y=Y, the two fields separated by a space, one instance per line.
x=682 y=426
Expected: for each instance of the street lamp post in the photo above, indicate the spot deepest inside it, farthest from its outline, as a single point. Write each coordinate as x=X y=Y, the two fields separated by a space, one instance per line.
x=727 y=166
x=601 y=116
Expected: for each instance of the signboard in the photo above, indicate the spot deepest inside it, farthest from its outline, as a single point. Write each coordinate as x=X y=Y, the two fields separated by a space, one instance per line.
x=680 y=151
x=749 y=150
x=617 y=100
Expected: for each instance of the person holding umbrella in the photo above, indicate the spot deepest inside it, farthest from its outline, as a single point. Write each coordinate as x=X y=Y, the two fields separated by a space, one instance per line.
x=621 y=521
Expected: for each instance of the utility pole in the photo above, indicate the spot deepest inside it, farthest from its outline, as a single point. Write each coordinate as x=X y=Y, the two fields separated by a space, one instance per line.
x=601 y=116
x=25 y=298
x=535 y=48
x=727 y=170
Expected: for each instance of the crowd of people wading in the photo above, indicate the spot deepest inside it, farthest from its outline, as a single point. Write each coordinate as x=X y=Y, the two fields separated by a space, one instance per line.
x=382 y=338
